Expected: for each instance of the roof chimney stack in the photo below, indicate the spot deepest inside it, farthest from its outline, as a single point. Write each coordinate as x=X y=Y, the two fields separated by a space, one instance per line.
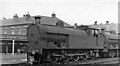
x=75 y=25
x=107 y=22
x=23 y=15
x=107 y=26
x=53 y=15
x=27 y=15
x=15 y=16
x=95 y=23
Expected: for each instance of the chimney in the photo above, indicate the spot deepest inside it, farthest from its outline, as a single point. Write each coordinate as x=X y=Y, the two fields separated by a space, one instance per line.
x=107 y=22
x=15 y=16
x=23 y=15
x=37 y=19
x=95 y=23
x=75 y=25
x=107 y=26
x=27 y=15
x=53 y=15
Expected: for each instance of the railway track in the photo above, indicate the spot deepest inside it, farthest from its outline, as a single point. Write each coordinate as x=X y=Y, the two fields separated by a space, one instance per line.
x=101 y=61
x=97 y=61
x=87 y=62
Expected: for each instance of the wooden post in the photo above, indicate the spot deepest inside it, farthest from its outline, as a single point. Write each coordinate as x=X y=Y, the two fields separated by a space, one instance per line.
x=13 y=46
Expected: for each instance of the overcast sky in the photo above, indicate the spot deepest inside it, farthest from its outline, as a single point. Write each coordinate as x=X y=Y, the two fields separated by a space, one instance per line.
x=70 y=11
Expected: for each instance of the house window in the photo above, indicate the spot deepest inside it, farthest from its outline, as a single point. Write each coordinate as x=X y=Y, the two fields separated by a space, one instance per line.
x=12 y=30
x=4 y=30
x=18 y=30
x=25 y=27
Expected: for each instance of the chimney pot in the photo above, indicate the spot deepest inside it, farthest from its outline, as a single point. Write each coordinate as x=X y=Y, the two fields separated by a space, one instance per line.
x=15 y=16
x=53 y=15
x=107 y=22
x=75 y=25
x=23 y=15
x=95 y=23
x=27 y=15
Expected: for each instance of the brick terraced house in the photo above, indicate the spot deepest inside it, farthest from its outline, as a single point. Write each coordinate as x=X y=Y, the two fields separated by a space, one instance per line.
x=13 y=35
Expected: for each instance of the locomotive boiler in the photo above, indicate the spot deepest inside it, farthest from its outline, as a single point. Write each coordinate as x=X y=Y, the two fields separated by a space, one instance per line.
x=59 y=43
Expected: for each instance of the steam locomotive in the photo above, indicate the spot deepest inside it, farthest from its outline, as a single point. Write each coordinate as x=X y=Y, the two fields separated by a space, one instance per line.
x=59 y=43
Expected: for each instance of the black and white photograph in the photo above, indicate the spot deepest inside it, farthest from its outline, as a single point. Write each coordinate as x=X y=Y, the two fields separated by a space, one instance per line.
x=60 y=32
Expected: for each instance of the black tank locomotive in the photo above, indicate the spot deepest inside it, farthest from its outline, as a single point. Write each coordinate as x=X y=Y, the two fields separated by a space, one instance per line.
x=56 y=43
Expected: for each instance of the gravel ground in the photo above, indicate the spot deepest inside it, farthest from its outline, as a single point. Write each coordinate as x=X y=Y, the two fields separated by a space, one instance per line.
x=11 y=59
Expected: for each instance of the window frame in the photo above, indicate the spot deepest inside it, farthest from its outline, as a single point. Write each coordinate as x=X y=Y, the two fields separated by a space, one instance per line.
x=4 y=30
x=19 y=29
x=12 y=30
x=25 y=28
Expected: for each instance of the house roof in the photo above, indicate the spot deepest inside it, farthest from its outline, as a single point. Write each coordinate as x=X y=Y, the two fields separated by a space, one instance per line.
x=98 y=26
x=22 y=20
x=113 y=26
x=112 y=36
